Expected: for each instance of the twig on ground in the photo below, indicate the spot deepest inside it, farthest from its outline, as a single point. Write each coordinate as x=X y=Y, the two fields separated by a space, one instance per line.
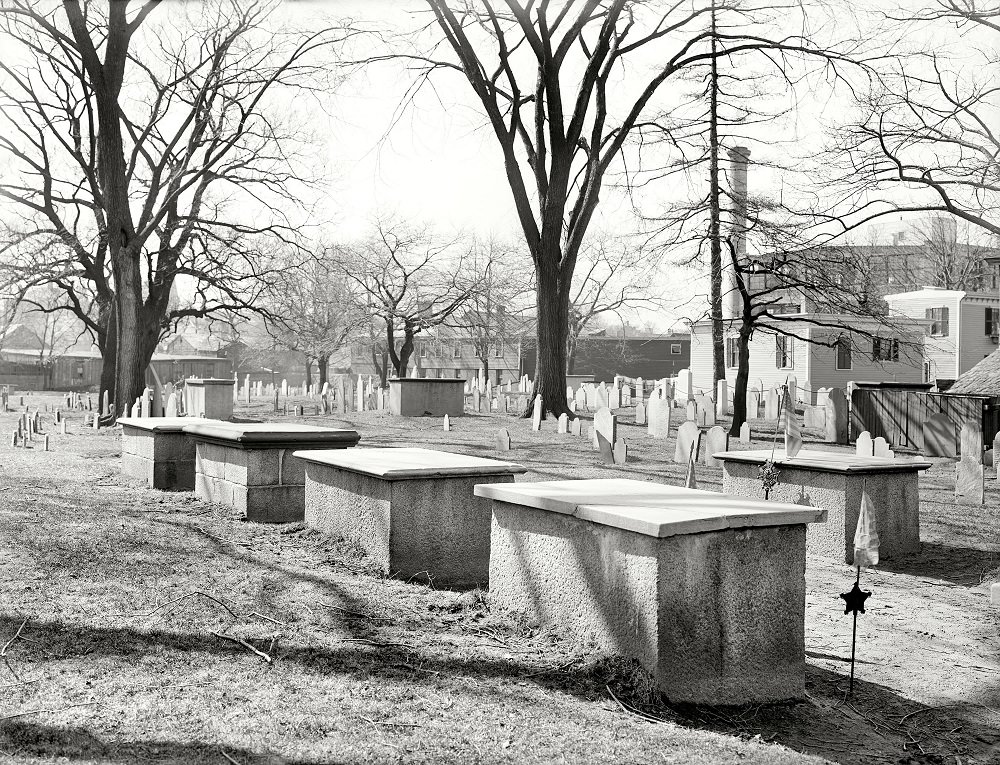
x=223 y=753
x=925 y=709
x=357 y=613
x=378 y=643
x=633 y=711
x=267 y=618
x=9 y=643
x=47 y=711
x=188 y=595
x=243 y=643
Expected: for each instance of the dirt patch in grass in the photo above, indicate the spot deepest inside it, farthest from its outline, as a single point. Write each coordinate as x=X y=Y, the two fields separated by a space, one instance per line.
x=164 y=629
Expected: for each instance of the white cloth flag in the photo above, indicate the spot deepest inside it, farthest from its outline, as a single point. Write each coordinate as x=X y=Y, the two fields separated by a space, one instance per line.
x=793 y=431
x=866 y=535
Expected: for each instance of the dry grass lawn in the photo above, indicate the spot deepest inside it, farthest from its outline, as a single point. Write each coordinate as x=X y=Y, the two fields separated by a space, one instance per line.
x=114 y=600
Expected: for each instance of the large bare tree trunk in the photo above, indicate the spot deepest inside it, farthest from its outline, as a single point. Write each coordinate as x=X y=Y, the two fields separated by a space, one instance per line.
x=322 y=362
x=130 y=359
x=552 y=303
x=742 y=379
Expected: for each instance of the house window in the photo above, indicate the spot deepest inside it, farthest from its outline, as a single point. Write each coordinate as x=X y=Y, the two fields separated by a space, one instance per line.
x=675 y=349
x=732 y=352
x=785 y=308
x=783 y=352
x=885 y=349
x=844 y=360
x=939 y=321
x=498 y=352
x=456 y=352
x=423 y=350
x=927 y=371
x=993 y=322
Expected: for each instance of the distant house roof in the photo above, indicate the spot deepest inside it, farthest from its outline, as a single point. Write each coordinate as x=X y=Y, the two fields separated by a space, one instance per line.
x=982 y=380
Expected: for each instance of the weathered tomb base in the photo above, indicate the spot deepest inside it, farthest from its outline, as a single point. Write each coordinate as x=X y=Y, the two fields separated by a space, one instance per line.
x=892 y=485
x=413 y=511
x=157 y=451
x=253 y=468
x=715 y=617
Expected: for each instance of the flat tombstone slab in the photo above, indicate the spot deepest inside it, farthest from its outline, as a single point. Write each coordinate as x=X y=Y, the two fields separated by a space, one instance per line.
x=835 y=481
x=419 y=396
x=940 y=436
x=969 y=485
x=251 y=466
x=687 y=436
x=159 y=452
x=659 y=574
x=413 y=510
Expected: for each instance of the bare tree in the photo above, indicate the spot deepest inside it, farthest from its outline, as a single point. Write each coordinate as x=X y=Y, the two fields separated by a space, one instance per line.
x=493 y=316
x=548 y=80
x=613 y=278
x=176 y=177
x=929 y=123
x=408 y=281
x=789 y=280
x=314 y=311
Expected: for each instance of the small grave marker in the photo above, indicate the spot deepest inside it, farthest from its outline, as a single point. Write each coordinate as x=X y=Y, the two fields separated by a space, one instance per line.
x=716 y=440
x=503 y=440
x=864 y=446
x=969 y=488
x=687 y=438
x=447 y=423
x=563 y=422
x=621 y=452
x=536 y=415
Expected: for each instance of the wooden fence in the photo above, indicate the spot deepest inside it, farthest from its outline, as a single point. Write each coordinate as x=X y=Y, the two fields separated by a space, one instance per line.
x=898 y=414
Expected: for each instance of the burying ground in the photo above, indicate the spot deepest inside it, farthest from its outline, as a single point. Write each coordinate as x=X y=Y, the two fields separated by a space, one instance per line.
x=129 y=591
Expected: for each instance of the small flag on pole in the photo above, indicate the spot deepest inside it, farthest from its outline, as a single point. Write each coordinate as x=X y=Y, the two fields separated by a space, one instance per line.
x=691 y=482
x=793 y=432
x=866 y=534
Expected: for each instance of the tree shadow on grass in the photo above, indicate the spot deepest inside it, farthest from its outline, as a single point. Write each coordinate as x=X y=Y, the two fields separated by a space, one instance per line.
x=26 y=738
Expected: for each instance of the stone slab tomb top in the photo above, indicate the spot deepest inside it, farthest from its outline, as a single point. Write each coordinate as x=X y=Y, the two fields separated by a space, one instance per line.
x=829 y=462
x=209 y=381
x=163 y=424
x=267 y=435
x=405 y=463
x=653 y=509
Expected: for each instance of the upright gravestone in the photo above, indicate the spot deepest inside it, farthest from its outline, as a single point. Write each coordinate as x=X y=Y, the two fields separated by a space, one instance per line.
x=972 y=441
x=620 y=452
x=721 y=398
x=716 y=440
x=880 y=448
x=503 y=440
x=575 y=425
x=605 y=447
x=536 y=414
x=771 y=403
x=996 y=454
x=172 y=405
x=753 y=403
x=692 y=411
x=940 y=436
x=745 y=432
x=837 y=417
x=602 y=396
x=684 y=389
x=615 y=395
x=821 y=396
x=563 y=423
x=606 y=424
x=590 y=391
x=477 y=401
x=640 y=414
x=969 y=488
x=658 y=417
x=447 y=423
x=581 y=399
x=864 y=446
x=640 y=389
x=687 y=436
x=793 y=388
